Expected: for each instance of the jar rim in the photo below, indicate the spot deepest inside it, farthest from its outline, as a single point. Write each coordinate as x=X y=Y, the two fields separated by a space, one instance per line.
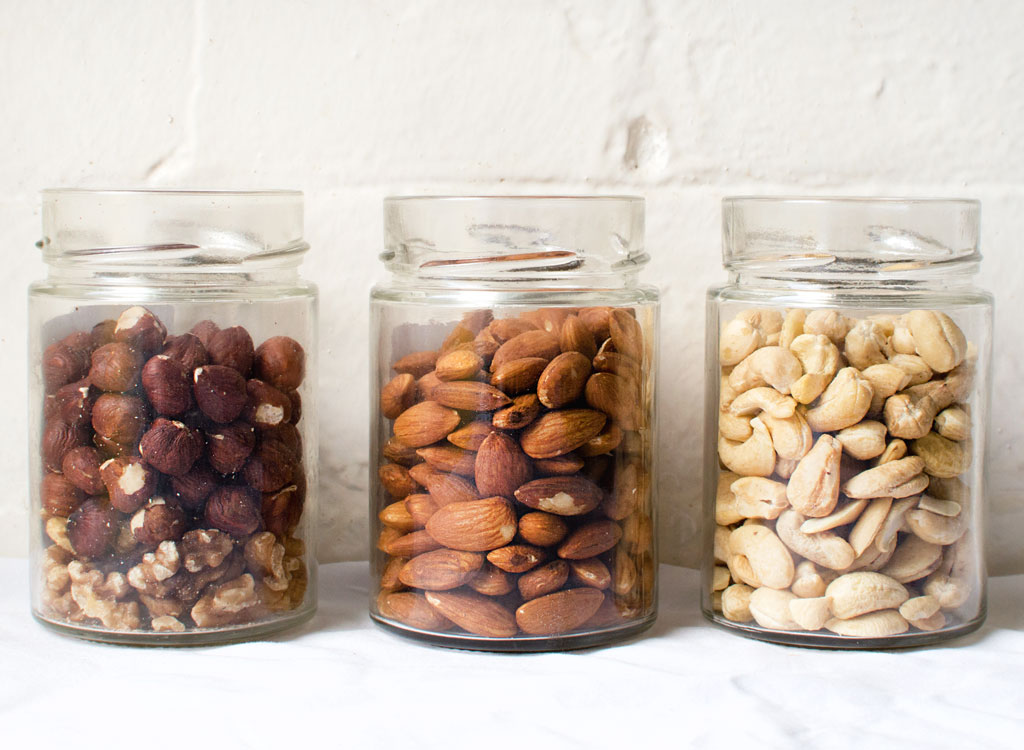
x=179 y=192
x=876 y=200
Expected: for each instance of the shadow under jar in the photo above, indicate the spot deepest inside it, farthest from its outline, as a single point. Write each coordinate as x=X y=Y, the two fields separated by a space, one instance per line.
x=847 y=409
x=172 y=423
x=512 y=475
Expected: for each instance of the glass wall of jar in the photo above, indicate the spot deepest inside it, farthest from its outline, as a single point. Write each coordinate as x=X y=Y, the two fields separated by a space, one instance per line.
x=847 y=402
x=173 y=442
x=512 y=500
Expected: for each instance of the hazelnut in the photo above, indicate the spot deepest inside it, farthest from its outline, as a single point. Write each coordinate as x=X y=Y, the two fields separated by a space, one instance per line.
x=234 y=510
x=158 y=522
x=140 y=329
x=204 y=330
x=220 y=392
x=167 y=385
x=115 y=367
x=281 y=362
x=171 y=446
x=80 y=341
x=192 y=489
x=92 y=528
x=59 y=438
x=130 y=482
x=187 y=349
x=281 y=510
x=288 y=434
x=232 y=347
x=267 y=406
x=110 y=449
x=119 y=418
x=103 y=333
x=296 y=400
x=73 y=403
x=58 y=496
x=81 y=467
x=270 y=467
x=63 y=365
x=229 y=446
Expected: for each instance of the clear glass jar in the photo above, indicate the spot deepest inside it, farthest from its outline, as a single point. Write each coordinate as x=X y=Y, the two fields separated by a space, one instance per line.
x=173 y=441
x=847 y=409
x=513 y=439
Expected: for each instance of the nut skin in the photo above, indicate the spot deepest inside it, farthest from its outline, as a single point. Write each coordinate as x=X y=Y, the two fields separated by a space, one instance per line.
x=187 y=349
x=220 y=392
x=192 y=489
x=234 y=510
x=282 y=510
x=140 y=329
x=270 y=467
x=229 y=446
x=92 y=528
x=63 y=364
x=267 y=406
x=167 y=385
x=204 y=330
x=81 y=467
x=103 y=333
x=119 y=418
x=115 y=368
x=281 y=361
x=58 y=496
x=171 y=447
x=127 y=494
x=232 y=347
x=59 y=439
x=158 y=521
x=296 y=400
x=73 y=403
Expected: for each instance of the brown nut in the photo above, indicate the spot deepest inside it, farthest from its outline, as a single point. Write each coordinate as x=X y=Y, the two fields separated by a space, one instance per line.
x=234 y=510
x=229 y=446
x=271 y=466
x=59 y=439
x=191 y=489
x=167 y=385
x=119 y=418
x=542 y=529
x=281 y=361
x=157 y=522
x=130 y=482
x=115 y=367
x=102 y=333
x=81 y=467
x=281 y=510
x=397 y=395
x=58 y=496
x=140 y=329
x=232 y=347
x=187 y=349
x=92 y=528
x=63 y=364
x=73 y=403
x=220 y=392
x=267 y=406
x=171 y=446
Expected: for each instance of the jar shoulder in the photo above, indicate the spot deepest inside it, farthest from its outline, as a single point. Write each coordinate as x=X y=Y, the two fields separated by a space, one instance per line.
x=858 y=297
x=212 y=291
x=510 y=295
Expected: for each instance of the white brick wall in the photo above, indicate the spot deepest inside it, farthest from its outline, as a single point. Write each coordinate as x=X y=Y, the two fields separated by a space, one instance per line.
x=682 y=102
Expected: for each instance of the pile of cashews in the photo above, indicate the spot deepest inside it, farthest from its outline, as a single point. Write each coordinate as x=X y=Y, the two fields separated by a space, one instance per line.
x=842 y=444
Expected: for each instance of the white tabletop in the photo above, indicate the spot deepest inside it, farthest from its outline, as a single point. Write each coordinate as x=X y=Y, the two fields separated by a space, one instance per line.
x=340 y=681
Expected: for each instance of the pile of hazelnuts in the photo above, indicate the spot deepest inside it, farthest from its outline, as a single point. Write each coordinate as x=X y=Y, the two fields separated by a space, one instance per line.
x=147 y=435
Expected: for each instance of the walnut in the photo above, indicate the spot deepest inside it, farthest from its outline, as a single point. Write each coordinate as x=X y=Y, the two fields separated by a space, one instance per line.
x=280 y=600
x=99 y=597
x=228 y=604
x=57 y=530
x=204 y=548
x=167 y=624
x=187 y=587
x=264 y=558
x=155 y=567
x=162 y=606
x=56 y=592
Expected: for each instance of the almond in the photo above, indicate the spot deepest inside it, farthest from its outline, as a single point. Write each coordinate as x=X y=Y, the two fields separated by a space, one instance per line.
x=472 y=435
x=607 y=615
x=386 y=537
x=597 y=320
x=416 y=364
x=591 y=572
x=397 y=395
x=518 y=375
x=448 y=458
x=444 y=488
x=516 y=558
x=397 y=516
x=628 y=489
x=397 y=451
x=570 y=463
x=540 y=344
x=617 y=364
x=501 y=466
x=576 y=337
x=559 y=432
x=411 y=609
x=396 y=480
x=425 y=423
x=469 y=395
x=590 y=540
x=615 y=396
x=460 y=364
x=524 y=409
x=563 y=496
x=543 y=580
x=476 y=320
x=389 y=576
x=542 y=529
x=626 y=334
x=606 y=442
x=491 y=581
x=474 y=525
x=505 y=329
x=461 y=334
x=548 y=319
x=425 y=386
x=474 y=613
x=411 y=544
x=483 y=348
x=624 y=575
x=563 y=379
x=440 y=569
x=420 y=508
x=560 y=612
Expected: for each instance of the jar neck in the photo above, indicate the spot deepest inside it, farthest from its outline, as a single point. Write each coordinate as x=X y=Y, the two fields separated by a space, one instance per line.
x=877 y=279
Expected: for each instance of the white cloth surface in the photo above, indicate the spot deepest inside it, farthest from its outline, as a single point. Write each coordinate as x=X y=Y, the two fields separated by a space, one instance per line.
x=340 y=681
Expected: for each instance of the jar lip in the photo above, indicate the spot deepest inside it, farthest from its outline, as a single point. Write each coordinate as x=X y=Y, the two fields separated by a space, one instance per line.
x=515 y=198
x=868 y=200
x=170 y=192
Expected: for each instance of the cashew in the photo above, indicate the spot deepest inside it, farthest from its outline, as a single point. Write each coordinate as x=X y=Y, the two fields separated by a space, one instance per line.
x=769 y=559
x=902 y=340
x=858 y=593
x=757 y=497
x=825 y=548
x=784 y=467
x=741 y=570
x=884 y=480
x=763 y=399
x=831 y=323
x=726 y=509
x=953 y=424
x=915 y=367
x=792 y=326
x=721 y=543
x=738 y=340
x=810 y=614
x=894 y=451
x=734 y=428
x=948 y=508
x=931 y=527
x=872 y=559
x=949 y=583
x=807 y=581
x=882 y=624
x=754 y=457
x=893 y=521
x=767 y=321
x=791 y=436
x=913 y=559
x=868 y=524
x=919 y=608
x=942 y=457
x=819 y=358
x=885 y=380
x=844 y=402
x=843 y=515
x=935 y=622
x=769 y=365
x=863 y=440
x=770 y=609
x=937 y=339
x=910 y=414
x=719 y=578
x=813 y=488
x=960 y=381
x=885 y=321
x=864 y=344
x=736 y=603
x=949 y=488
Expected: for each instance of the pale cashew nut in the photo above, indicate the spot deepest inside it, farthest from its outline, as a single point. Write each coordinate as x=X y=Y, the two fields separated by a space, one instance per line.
x=741 y=571
x=885 y=380
x=820 y=359
x=831 y=323
x=810 y=614
x=738 y=340
x=813 y=488
x=915 y=367
x=913 y=559
x=948 y=508
x=719 y=578
x=919 y=608
x=949 y=488
x=855 y=594
x=754 y=457
x=792 y=326
x=784 y=467
x=960 y=381
x=726 y=509
x=901 y=341
x=721 y=543
x=736 y=603
x=869 y=524
x=863 y=440
x=935 y=622
x=763 y=399
x=844 y=403
x=791 y=436
x=825 y=548
x=864 y=344
x=938 y=340
x=844 y=514
x=894 y=451
x=767 y=321
x=770 y=608
x=872 y=559
x=808 y=583
x=882 y=624
x=769 y=365
x=769 y=559
x=953 y=424
x=949 y=583
x=931 y=527
x=734 y=428
x=893 y=522
x=885 y=321
x=885 y=480
x=757 y=497
x=942 y=457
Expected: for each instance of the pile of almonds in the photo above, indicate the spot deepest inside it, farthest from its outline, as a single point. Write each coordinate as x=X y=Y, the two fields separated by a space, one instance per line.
x=843 y=443
x=514 y=491
x=173 y=482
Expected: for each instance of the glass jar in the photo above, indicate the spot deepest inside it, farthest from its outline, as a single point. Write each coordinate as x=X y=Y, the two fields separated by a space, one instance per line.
x=173 y=441
x=513 y=438
x=847 y=410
